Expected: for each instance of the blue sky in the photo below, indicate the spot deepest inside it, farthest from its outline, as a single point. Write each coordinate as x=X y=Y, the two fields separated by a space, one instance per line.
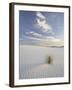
x=37 y=27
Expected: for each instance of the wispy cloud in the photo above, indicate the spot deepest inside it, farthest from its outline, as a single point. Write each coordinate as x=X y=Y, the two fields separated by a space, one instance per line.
x=46 y=34
x=51 y=41
x=32 y=38
x=43 y=23
x=39 y=15
x=34 y=34
x=45 y=40
x=51 y=38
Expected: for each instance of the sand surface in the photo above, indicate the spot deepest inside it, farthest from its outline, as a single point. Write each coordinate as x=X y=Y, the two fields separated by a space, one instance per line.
x=33 y=62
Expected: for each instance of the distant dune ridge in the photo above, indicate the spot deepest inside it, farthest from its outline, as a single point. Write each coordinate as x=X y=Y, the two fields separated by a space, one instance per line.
x=44 y=43
x=33 y=62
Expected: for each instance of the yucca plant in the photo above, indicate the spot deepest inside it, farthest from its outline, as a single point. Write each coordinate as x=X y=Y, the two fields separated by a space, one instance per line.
x=49 y=60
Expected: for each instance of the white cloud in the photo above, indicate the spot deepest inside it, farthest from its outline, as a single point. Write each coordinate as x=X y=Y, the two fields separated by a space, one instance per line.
x=51 y=41
x=45 y=40
x=34 y=38
x=38 y=14
x=43 y=24
x=34 y=34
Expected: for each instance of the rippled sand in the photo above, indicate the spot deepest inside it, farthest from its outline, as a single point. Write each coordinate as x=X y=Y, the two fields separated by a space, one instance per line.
x=33 y=62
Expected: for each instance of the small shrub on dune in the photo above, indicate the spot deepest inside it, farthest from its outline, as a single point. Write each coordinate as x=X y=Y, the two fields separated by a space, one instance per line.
x=49 y=60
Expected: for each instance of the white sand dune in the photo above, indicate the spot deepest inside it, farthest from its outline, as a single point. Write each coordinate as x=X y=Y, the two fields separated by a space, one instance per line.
x=33 y=62
x=42 y=71
x=46 y=70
